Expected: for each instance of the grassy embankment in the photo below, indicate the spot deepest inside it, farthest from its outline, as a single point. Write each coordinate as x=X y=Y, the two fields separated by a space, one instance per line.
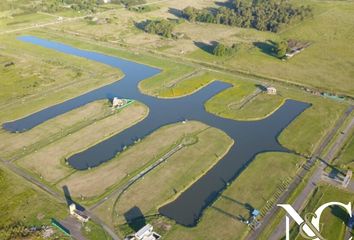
x=54 y=168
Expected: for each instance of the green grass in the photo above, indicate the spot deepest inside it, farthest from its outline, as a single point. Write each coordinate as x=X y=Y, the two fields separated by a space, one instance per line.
x=332 y=220
x=93 y=231
x=170 y=69
x=326 y=64
x=308 y=129
x=346 y=157
x=41 y=77
x=21 y=202
x=252 y=187
x=174 y=176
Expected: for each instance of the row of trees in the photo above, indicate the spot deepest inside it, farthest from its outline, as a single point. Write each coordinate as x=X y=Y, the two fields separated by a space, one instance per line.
x=264 y=15
x=129 y=3
x=160 y=27
x=53 y=6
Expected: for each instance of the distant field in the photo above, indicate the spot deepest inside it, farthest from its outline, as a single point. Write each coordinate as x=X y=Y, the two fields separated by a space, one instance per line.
x=326 y=64
x=35 y=77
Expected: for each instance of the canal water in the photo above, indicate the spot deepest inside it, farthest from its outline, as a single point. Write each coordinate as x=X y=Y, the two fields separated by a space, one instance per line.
x=251 y=137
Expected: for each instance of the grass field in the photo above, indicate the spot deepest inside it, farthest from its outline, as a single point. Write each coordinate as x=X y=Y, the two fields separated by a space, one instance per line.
x=92 y=231
x=326 y=64
x=331 y=219
x=306 y=131
x=97 y=181
x=40 y=77
x=171 y=178
x=252 y=187
x=346 y=157
x=15 y=145
x=53 y=169
x=23 y=203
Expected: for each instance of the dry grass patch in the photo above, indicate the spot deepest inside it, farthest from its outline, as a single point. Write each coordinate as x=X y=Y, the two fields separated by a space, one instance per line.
x=48 y=161
x=11 y=142
x=96 y=181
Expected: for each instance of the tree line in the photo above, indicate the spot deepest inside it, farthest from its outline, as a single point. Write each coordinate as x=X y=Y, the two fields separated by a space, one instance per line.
x=263 y=15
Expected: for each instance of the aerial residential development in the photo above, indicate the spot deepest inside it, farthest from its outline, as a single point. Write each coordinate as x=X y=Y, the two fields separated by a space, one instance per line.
x=176 y=119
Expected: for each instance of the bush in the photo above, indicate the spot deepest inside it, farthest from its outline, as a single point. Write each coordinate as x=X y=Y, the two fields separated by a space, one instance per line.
x=222 y=50
x=281 y=48
x=160 y=27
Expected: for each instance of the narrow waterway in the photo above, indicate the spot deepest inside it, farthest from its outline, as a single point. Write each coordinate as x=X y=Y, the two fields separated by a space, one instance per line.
x=251 y=137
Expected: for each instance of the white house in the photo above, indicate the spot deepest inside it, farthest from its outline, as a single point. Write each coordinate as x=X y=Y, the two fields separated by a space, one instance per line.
x=146 y=233
x=271 y=90
x=117 y=102
x=77 y=213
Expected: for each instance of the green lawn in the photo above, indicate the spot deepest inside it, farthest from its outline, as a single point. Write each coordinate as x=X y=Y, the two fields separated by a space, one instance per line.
x=308 y=129
x=41 y=77
x=332 y=220
x=253 y=187
x=92 y=231
x=26 y=204
x=346 y=157
x=327 y=63
x=177 y=174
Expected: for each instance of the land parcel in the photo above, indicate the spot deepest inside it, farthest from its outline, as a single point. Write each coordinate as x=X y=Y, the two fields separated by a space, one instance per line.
x=53 y=168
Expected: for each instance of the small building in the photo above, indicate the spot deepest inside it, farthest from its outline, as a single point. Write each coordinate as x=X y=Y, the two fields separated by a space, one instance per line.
x=271 y=90
x=145 y=233
x=117 y=102
x=78 y=214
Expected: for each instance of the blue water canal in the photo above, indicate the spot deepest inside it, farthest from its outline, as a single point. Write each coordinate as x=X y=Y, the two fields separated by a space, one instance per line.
x=251 y=137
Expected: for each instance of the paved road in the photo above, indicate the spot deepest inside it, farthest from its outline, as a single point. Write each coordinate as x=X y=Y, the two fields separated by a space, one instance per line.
x=280 y=230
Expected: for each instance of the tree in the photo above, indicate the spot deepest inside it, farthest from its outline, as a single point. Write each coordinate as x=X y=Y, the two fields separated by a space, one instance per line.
x=160 y=27
x=281 y=48
x=219 y=50
x=222 y=50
